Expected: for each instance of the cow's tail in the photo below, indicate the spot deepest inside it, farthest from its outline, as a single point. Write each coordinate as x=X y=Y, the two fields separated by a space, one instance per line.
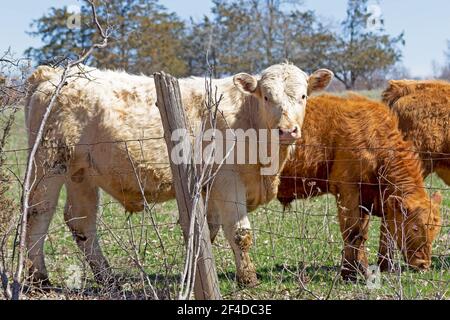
x=39 y=76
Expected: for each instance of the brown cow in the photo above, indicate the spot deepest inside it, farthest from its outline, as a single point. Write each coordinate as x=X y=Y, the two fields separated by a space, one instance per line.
x=352 y=148
x=423 y=108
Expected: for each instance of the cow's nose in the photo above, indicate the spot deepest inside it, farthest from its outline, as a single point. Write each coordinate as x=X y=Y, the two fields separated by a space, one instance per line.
x=420 y=262
x=289 y=134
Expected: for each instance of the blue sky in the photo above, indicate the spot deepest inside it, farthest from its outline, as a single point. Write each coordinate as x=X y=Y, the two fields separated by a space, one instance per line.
x=426 y=23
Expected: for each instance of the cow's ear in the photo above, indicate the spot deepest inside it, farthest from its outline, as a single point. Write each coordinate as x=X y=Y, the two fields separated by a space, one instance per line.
x=319 y=80
x=245 y=83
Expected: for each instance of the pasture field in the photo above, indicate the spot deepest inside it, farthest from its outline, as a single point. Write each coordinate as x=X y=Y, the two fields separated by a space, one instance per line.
x=297 y=252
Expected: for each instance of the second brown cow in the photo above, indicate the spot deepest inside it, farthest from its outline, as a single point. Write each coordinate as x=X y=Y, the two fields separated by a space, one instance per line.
x=423 y=108
x=353 y=149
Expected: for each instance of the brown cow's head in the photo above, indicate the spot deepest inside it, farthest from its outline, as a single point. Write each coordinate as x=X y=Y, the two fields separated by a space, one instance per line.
x=415 y=227
x=282 y=91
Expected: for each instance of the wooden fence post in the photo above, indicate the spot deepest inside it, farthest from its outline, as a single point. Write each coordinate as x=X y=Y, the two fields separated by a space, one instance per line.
x=206 y=286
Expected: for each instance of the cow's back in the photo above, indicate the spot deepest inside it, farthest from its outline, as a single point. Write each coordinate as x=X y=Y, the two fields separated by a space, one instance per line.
x=344 y=140
x=354 y=127
x=423 y=109
x=107 y=127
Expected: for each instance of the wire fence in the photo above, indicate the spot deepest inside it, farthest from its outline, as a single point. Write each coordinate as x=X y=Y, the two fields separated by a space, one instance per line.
x=298 y=252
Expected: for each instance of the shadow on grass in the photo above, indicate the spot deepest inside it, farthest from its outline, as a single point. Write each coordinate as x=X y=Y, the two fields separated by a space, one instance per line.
x=165 y=286
x=289 y=274
x=125 y=287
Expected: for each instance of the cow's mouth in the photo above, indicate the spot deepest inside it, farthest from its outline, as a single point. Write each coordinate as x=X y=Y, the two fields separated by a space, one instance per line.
x=289 y=136
x=419 y=262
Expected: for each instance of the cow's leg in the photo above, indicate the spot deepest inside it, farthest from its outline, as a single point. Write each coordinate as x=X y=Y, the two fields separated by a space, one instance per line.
x=354 y=229
x=230 y=201
x=80 y=215
x=385 y=257
x=444 y=174
x=238 y=232
x=43 y=201
x=213 y=222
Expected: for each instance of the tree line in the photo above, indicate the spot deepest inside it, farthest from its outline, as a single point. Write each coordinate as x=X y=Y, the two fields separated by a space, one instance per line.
x=237 y=36
x=444 y=72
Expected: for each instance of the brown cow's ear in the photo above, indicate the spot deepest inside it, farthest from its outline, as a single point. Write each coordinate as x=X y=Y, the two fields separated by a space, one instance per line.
x=245 y=83
x=319 y=80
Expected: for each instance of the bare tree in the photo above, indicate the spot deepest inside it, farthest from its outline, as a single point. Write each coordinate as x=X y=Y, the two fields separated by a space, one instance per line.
x=446 y=69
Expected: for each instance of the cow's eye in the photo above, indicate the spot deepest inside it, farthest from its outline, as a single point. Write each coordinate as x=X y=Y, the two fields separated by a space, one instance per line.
x=304 y=97
x=266 y=98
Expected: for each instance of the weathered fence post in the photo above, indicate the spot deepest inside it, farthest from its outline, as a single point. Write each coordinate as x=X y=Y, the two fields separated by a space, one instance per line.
x=206 y=286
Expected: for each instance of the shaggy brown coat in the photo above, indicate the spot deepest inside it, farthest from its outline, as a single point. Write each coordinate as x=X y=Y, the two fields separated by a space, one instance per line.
x=423 y=108
x=352 y=149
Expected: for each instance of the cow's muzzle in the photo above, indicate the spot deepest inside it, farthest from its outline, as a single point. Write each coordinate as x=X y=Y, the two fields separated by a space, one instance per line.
x=289 y=135
x=419 y=261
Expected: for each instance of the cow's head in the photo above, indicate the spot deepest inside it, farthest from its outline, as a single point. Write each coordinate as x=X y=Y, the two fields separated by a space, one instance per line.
x=415 y=223
x=282 y=91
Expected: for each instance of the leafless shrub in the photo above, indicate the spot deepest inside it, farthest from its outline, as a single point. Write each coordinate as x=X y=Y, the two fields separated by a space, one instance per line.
x=13 y=73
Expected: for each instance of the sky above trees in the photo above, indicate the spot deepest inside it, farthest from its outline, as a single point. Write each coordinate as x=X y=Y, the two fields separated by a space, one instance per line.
x=238 y=36
x=425 y=23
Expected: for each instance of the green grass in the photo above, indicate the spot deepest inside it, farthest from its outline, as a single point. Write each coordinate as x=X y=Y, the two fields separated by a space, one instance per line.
x=297 y=253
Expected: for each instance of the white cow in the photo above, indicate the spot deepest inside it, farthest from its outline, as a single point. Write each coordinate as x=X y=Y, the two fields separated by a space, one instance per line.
x=90 y=143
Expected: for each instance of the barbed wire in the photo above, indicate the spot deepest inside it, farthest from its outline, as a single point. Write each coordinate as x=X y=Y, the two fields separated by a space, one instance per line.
x=282 y=271
x=446 y=156
x=298 y=251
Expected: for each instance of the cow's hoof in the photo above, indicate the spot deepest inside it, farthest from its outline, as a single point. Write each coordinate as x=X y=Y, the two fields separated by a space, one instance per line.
x=247 y=279
x=113 y=286
x=349 y=275
x=387 y=266
x=109 y=282
x=40 y=280
x=246 y=275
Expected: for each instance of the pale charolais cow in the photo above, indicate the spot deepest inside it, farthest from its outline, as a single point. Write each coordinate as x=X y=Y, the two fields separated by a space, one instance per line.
x=91 y=143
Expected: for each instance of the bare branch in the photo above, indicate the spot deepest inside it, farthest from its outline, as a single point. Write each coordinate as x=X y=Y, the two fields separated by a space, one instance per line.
x=28 y=185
